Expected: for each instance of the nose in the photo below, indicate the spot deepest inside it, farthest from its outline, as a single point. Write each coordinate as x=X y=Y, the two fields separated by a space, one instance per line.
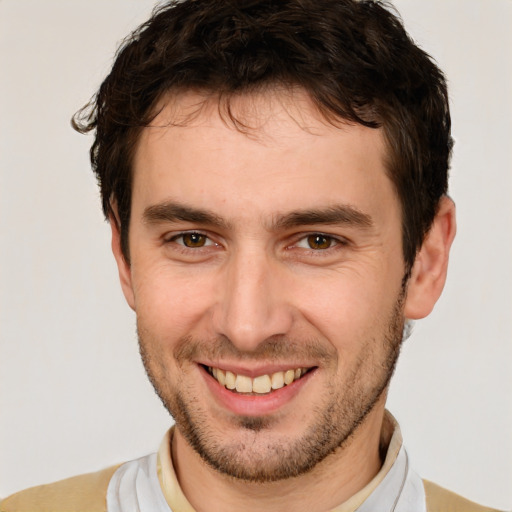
x=252 y=304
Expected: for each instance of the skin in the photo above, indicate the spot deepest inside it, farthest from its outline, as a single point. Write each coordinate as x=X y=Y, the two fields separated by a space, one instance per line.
x=253 y=291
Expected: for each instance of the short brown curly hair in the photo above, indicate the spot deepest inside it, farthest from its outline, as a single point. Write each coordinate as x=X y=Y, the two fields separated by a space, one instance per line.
x=353 y=58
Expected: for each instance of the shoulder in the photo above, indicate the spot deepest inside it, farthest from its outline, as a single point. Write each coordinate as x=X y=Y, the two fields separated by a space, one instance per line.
x=442 y=500
x=84 y=493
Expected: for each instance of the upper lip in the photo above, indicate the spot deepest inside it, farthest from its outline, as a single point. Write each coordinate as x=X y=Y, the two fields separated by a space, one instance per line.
x=255 y=371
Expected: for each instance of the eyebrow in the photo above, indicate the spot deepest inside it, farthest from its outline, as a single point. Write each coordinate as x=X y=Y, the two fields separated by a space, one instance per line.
x=172 y=212
x=338 y=214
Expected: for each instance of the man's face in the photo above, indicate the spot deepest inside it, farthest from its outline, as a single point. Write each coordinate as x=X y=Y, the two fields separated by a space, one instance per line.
x=260 y=260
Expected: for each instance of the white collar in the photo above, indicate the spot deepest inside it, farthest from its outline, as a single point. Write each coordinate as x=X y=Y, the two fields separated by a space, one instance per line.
x=149 y=484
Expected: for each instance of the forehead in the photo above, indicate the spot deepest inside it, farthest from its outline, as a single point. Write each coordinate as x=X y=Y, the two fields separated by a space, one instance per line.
x=272 y=144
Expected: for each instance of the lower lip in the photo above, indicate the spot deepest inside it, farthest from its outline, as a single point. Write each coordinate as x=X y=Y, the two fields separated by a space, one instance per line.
x=254 y=405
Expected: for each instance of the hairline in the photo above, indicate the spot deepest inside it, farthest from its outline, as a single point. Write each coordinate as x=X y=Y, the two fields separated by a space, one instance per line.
x=222 y=98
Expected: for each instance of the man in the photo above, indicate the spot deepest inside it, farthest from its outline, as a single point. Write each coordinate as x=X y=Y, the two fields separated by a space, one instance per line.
x=275 y=175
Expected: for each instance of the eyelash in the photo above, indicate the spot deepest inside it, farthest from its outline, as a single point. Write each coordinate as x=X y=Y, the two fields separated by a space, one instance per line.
x=208 y=241
x=331 y=241
x=306 y=238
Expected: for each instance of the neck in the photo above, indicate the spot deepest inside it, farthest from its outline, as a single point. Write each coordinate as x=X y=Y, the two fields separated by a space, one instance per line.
x=331 y=482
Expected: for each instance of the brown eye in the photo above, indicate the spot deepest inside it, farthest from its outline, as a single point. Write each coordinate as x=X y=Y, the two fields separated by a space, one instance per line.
x=194 y=240
x=318 y=241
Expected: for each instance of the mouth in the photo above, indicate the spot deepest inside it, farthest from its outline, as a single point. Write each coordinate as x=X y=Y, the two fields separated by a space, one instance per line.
x=259 y=385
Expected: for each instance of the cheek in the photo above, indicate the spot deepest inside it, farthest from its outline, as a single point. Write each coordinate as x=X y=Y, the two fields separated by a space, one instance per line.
x=170 y=302
x=348 y=308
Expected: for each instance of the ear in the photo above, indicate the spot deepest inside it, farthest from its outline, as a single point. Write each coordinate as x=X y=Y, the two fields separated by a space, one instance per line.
x=428 y=273
x=125 y=274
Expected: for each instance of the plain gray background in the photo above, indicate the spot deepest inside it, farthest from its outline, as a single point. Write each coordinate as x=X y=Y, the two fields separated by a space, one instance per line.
x=73 y=394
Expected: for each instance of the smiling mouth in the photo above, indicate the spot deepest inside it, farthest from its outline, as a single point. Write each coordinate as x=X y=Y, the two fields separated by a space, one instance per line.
x=262 y=384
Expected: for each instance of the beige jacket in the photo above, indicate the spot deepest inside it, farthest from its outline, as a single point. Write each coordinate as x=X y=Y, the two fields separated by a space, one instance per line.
x=87 y=493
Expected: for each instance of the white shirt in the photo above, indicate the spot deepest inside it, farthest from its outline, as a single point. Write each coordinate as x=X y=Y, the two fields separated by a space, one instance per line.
x=149 y=484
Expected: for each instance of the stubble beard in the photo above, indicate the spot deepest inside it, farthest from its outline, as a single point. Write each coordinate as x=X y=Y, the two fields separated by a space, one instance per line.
x=257 y=456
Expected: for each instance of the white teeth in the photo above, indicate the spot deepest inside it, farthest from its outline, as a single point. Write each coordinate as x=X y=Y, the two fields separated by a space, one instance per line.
x=230 y=380
x=243 y=384
x=277 y=380
x=289 y=376
x=221 y=376
x=261 y=384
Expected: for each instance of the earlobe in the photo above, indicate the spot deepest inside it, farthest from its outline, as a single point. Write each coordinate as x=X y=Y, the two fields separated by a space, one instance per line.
x=430 y=267
x=124 y=269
